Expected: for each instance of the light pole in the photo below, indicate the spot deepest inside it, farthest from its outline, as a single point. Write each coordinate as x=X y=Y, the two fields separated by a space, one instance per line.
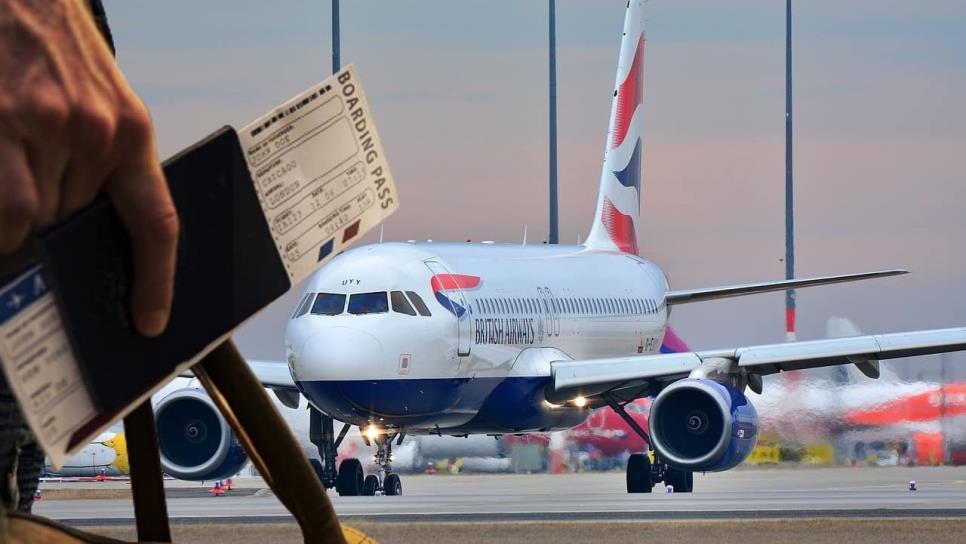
x=336 y=54
x=789 y=195
x=554 y=228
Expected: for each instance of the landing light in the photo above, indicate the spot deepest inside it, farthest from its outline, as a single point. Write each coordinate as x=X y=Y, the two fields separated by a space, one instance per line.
x=580 y=402
x=372 y=432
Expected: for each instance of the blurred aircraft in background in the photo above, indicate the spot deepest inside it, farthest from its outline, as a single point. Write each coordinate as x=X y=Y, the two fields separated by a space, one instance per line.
x=105 y=457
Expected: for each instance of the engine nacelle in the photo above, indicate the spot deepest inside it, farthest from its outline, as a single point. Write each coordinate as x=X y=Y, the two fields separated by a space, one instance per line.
x=195 y=440
x=702 y=425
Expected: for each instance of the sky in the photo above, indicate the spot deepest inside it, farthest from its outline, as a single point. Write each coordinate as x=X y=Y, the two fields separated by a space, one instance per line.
x=459 y=93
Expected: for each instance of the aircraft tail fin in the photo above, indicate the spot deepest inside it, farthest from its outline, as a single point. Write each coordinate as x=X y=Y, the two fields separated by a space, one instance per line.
x=619 y=200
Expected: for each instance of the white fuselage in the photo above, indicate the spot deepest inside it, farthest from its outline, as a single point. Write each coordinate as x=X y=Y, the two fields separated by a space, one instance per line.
x=499 y=314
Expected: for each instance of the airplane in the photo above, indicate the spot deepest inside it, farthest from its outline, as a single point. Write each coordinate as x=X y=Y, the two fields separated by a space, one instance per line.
x=104 y=457
x=406 y=339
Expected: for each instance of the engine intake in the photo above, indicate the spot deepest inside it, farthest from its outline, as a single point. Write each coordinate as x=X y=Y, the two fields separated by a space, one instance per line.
x=195 y=440
x=703 y=425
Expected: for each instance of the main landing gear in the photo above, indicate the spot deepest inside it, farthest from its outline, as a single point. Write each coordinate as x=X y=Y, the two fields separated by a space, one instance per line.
x=350 y=478
x=642 y=474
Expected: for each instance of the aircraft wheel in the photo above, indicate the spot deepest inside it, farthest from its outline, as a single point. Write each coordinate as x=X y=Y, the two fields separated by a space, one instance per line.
x=369 y=485
x=350 y=482
x=682 y=480
x=393 y=485
x=639 y=473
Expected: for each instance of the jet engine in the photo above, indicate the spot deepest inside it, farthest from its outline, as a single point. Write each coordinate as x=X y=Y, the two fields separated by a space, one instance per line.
x=702 y=425
x=195 y=440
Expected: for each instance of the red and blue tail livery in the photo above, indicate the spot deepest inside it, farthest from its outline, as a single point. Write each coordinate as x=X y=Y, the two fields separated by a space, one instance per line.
x=619 y=199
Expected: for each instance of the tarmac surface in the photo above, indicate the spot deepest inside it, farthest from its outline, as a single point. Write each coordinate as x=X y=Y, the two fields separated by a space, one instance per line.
x=740 y=494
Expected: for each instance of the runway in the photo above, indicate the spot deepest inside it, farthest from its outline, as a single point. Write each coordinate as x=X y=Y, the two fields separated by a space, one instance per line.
x=751 y=494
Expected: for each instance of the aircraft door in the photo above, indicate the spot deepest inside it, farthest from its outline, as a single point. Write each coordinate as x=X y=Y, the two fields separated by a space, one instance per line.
x=446 y=288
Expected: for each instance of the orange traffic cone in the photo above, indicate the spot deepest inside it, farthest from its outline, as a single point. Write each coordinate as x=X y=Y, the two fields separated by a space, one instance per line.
x=228 y=484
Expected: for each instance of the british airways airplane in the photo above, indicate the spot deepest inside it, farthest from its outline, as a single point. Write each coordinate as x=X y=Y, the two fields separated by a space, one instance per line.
x=457 y=339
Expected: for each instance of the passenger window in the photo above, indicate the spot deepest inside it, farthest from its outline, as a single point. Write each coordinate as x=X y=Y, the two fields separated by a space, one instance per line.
x=304 y=306
x=368 y=303
x=399 y=303
x=328 y=304
x=419 y=304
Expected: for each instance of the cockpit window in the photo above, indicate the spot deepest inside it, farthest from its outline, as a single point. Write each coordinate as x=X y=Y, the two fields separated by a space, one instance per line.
x=400 y=304
x=304 y=306
x=328 y=304
x=418 y=303
x=368 y=303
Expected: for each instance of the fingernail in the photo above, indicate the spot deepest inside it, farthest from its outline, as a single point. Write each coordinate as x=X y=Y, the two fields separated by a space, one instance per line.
x=154 y=323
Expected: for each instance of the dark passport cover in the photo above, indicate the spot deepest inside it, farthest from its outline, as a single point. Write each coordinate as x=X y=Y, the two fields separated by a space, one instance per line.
x=228 y=268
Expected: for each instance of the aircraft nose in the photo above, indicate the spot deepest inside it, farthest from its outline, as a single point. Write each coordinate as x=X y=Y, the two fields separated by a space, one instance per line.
x=339 y=353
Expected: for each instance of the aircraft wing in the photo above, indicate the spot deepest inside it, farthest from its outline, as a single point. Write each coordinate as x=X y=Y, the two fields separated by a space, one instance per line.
x=592 y=377
x=728 y=291
x=273 y=374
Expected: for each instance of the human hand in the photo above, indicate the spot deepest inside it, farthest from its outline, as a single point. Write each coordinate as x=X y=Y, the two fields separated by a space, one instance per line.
x=70 y=128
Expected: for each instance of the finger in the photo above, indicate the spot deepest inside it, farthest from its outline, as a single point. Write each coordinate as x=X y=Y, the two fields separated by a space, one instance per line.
x=91 y=132
x=47 y=165
x=140 y=194
x=18 y=203
x=141 y=198
x=43 y=116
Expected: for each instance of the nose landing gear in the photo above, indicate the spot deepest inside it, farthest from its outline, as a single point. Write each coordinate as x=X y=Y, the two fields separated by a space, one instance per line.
x=385 y=480
x=350 y=479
